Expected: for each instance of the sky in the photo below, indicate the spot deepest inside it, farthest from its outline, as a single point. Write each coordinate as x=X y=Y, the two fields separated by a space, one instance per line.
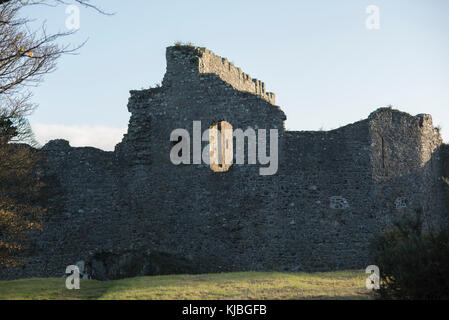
x=330 y=63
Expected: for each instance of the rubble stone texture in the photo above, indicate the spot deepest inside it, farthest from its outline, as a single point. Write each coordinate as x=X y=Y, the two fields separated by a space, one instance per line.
x=132 y=212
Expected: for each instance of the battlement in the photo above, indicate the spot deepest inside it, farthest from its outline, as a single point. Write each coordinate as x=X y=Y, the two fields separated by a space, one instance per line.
x=190 y=59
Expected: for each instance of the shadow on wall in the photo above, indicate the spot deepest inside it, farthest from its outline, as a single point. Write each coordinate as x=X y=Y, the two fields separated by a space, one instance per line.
x=134 y=263
x=424 y=188
x=445 y=164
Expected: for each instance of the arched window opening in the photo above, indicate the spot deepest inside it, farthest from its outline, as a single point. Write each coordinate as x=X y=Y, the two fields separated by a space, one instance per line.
x=221 y=146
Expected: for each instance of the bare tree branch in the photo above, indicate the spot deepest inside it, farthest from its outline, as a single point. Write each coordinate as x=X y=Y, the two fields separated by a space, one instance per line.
x=26 y=56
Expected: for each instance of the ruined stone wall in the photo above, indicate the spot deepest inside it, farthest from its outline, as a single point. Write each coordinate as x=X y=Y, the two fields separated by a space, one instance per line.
x=82 y=215
x=407 y=166
x=444 y=156
x=219 y=221
x=133 y=212
x=192 y=60
x=325 y=185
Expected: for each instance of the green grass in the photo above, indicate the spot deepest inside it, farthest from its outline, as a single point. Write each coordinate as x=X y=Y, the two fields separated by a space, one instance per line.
x=237 y=285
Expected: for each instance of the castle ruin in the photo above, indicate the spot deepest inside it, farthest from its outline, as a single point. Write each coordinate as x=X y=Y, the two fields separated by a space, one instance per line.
x=133 y=212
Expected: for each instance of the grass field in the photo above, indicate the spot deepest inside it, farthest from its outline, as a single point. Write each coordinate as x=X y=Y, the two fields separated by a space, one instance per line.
x=239 y=285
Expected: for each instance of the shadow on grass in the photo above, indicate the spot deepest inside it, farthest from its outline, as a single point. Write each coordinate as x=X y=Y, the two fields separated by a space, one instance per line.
x=50 y=289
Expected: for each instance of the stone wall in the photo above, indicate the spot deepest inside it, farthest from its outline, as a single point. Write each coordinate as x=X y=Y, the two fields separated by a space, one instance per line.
x=445 y=164
x=133 y=212
x=185 y=61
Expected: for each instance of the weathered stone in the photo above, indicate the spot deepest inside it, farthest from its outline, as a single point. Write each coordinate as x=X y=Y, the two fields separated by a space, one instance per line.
x=110 y=208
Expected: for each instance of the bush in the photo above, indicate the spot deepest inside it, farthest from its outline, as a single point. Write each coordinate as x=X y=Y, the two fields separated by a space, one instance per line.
x=413 y=264
x=183 y=44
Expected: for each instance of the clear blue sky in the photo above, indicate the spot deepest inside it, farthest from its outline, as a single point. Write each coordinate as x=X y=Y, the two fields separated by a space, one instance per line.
x=325 y=67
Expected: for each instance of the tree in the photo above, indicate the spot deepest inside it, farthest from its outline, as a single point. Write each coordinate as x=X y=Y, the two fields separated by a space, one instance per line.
x=20 y=190
x=26 y=55
x=412 y=263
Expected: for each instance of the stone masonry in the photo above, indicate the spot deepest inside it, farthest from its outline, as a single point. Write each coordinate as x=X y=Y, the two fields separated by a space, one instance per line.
x=133 y=212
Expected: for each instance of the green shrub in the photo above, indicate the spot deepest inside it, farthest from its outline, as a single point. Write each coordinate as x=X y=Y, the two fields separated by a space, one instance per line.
x=185 y=44
x=413 y=264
